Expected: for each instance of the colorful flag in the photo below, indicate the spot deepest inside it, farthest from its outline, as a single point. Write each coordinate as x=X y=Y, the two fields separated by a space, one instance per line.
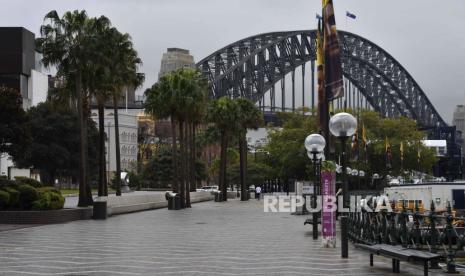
x=350 y=15
x=322 y=110
x=332 y=54
x=388 y=154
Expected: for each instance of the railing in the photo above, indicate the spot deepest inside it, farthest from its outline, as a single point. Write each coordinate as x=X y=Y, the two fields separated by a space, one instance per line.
x=430 y=231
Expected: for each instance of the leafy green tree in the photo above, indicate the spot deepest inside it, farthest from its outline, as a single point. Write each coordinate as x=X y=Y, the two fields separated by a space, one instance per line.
x=257 y=173
x=288 y=156
x=12 y=119
x=54 y=145
x=396 y=131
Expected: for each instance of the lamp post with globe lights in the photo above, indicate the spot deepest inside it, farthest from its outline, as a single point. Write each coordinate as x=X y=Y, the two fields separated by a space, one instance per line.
x=315 y=144
x=343 y=125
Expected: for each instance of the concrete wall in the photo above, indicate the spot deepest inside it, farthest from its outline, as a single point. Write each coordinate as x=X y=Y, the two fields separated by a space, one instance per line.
x=134 y=203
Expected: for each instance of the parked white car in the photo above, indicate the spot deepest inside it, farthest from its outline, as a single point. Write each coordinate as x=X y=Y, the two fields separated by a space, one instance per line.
x=208 y=189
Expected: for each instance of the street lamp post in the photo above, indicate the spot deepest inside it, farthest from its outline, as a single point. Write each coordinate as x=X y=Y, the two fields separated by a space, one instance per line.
x=315 y=144
x=343 y=125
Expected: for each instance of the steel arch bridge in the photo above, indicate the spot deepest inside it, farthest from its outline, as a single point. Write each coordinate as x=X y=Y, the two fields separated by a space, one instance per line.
x=252 y=66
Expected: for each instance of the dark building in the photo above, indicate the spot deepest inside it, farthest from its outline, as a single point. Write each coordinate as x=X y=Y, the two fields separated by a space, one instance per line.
x=17 y=57
x=19 y=66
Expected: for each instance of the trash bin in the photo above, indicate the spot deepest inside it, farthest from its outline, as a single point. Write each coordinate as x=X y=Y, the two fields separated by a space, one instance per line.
x=100 y=208
x=218 y=196
x=174 y=201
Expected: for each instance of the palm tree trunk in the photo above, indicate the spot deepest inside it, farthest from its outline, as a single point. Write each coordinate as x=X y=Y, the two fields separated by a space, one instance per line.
x=188 y=171
x=193 y=159
x=174 y=185
x=223 y=162
x=243 y=165
x=84 y=198
x=117 y=146
x=86 y=112
x=182 y=157
x=101 y=129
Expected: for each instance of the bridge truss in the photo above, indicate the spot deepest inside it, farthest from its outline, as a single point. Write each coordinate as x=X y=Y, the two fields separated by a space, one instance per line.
x=253 y=66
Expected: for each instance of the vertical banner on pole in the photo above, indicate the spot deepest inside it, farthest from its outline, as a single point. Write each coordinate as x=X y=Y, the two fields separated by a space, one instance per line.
x=328 y=212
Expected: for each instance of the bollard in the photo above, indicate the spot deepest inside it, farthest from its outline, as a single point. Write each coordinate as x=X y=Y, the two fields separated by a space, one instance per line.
x=451 y=267
x=314 y=218
x=344 y=237
x=100 y=208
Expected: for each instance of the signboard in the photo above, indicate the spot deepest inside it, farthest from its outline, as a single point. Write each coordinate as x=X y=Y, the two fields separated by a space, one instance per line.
x=328 y=212
x=307 y=190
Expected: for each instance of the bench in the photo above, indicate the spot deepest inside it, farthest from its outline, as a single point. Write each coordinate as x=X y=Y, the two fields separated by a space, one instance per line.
x=398 y=253
x=310 y=220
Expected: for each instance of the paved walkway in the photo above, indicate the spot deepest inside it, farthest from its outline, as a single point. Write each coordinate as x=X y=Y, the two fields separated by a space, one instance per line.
x=211 y=238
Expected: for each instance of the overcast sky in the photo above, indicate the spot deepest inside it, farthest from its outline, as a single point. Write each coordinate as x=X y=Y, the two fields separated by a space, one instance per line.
x=426 y=36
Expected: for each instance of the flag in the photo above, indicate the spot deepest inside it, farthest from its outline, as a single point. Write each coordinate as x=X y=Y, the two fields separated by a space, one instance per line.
x=332 y=54
x=401 y=155
x=419 y=153
x=365 y=142
x=322 y=110
x=355 y=147
x=350 y=15
x=388 y=154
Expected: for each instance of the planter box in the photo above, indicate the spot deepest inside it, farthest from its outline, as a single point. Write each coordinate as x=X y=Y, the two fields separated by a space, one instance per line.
x=45 y=217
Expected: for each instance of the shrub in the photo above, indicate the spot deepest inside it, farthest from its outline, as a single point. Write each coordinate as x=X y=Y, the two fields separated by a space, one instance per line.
x=14 y=196
x=49 y=200
x=27 y=195
x=57 y=201
x=49 y=189
x=43 y=202
x=4 y=199
x=28 y=181
x=5 y=182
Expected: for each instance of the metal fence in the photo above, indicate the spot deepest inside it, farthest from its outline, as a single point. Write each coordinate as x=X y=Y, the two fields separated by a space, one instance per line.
x=430 y=231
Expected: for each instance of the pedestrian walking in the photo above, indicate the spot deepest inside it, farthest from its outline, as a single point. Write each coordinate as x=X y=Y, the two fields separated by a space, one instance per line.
x=258 y=190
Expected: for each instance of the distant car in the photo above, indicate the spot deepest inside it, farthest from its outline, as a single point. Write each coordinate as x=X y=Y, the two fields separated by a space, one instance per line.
x=208 y=189
x=252 y=188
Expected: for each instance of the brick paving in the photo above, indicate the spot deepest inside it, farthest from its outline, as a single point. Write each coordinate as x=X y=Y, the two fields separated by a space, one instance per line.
x=232 y=238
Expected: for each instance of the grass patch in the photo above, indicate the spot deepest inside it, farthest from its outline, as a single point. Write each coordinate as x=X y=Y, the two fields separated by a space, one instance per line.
x=66 y=192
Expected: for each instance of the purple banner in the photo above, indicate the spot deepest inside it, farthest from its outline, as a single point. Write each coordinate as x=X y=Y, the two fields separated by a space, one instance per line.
x=328 y=213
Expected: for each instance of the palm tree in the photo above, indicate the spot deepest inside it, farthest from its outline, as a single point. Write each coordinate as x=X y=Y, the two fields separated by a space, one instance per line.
x=96 y=78
x=249 y=117
x=161 y=104
x=195 y=93
x=224 y=113
x=65 y=43
x=124 y=64
x=181 y=96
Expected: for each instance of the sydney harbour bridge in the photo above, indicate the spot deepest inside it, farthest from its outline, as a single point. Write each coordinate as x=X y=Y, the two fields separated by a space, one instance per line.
x=253 y=67
x=258 y=67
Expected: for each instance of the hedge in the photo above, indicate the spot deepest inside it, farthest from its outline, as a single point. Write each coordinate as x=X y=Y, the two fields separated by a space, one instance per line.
x=26 y=197
x=4 y=199
x=28 y=181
